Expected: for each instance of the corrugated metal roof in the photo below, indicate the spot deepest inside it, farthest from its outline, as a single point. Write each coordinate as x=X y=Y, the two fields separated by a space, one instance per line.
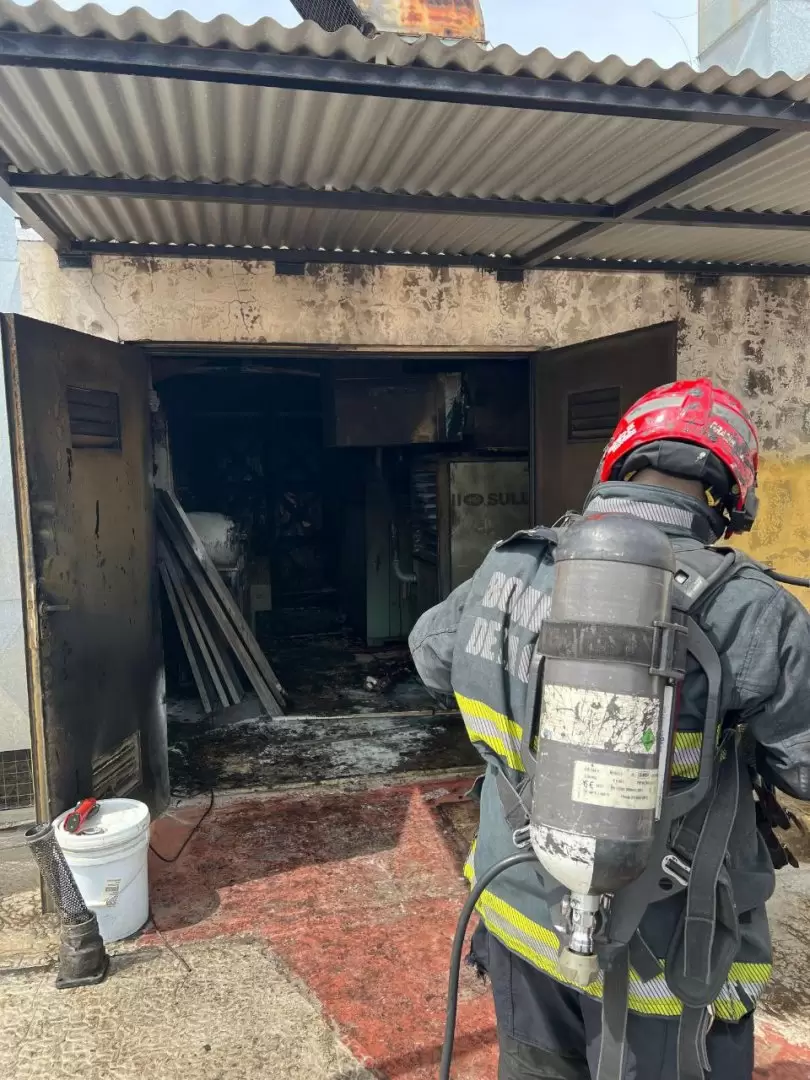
x=111 y=125
x=83 y=123
x=45 y=16
x=777 y=179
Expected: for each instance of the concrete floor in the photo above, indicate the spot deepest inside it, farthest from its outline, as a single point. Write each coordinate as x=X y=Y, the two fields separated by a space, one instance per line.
x=235 y=1012
x=17 y=871
x=211 y=1010
x=317 y=926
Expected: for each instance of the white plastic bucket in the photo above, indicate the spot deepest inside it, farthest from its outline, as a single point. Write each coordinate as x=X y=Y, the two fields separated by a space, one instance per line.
x=108 y=859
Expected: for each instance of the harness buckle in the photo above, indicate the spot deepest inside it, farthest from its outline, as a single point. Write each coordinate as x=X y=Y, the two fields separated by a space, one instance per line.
x=668 y=650
x=521 y=838
x=677 y=869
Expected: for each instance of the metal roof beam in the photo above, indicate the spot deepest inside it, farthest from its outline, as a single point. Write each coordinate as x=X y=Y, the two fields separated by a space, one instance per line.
x=725 y=219
x=373 y=201
x=294 y=72
x=290 y=257
x=720 y=159
x=684 y=266
x=386 y=258
x=30 y=218
x=255 y=194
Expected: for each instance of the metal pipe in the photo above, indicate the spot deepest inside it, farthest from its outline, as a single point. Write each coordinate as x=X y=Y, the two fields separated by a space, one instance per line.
x=57 y=875
x=399 y=573
x=83 y=960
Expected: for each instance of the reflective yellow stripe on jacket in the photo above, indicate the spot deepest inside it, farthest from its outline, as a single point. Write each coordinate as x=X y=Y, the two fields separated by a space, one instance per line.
x=686 y=753
x=504 y=736
x=499 y=733
x=541 y=948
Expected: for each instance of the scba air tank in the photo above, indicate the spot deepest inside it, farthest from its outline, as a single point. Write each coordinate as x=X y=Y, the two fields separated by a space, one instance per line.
x=604 y=724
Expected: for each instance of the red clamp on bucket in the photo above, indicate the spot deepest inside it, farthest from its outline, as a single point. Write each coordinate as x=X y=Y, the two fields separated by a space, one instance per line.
x=77 y=818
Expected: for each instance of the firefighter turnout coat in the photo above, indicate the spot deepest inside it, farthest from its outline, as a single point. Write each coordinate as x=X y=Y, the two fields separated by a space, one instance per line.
x=478 y=645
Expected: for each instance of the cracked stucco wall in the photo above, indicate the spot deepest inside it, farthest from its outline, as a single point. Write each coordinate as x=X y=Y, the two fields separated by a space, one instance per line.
x=753 y=335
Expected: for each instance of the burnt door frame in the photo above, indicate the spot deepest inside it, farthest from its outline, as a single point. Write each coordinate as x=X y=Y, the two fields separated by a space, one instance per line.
x=91 y=688
x=29 y=589
x=663 y=338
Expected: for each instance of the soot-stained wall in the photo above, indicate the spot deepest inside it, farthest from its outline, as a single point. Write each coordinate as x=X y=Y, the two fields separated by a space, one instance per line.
x=751 y=334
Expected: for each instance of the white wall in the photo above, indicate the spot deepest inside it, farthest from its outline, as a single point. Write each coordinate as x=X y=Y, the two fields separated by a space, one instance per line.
x=15 y=732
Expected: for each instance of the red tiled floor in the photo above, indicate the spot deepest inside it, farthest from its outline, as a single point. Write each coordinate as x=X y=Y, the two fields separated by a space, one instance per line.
x=778 y=1058
x=359 y=893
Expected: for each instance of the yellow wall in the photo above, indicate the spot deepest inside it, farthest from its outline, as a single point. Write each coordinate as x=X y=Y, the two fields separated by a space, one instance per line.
x=781 y=536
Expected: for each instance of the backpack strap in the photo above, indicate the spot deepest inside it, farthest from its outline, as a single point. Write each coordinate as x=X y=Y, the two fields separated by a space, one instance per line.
x=700 y=572
x=707 y=939
x=698 y=575
x=550 y=537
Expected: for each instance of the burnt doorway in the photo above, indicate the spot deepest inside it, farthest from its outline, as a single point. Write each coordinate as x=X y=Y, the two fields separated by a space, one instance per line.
x=578 y=395
x=250 y=468
x=308 y=523
x=357 y=488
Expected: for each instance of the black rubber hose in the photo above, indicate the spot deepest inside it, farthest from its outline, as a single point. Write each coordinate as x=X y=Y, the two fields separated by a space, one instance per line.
x=458 y=950
x=787 y=579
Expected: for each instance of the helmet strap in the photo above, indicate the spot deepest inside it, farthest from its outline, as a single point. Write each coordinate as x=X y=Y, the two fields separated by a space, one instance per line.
x=742 y=521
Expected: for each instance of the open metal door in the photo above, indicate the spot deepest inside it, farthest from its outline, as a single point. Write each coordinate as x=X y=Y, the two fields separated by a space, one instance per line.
x=578 y=395
x=79 y=421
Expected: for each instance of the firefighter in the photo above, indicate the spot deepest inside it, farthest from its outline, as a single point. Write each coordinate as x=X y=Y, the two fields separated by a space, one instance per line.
x=684 y=457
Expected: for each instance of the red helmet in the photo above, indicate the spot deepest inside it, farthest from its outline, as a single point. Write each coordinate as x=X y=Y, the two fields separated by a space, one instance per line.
x=696 y=430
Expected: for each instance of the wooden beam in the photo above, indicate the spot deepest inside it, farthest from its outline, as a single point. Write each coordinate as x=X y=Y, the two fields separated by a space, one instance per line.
x=206 y=591
x=173 y=512
x=179 y=619
x=195 y=620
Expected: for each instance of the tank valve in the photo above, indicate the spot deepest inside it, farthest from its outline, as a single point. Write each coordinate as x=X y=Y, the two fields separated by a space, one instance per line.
x=578 y=962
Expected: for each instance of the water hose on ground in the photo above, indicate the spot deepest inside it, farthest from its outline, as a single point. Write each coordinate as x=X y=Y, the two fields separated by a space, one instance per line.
x=458 y=950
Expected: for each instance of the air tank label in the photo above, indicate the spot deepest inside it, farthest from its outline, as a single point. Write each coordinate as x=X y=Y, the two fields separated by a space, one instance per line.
x=615 y=786
x=600 y=720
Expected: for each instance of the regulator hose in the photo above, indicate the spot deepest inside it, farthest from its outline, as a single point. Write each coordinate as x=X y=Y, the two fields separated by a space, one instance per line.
x=458 y=949
x=788 y=579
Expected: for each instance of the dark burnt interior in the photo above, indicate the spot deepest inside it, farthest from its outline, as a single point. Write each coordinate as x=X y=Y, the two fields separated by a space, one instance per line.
x=333 y=473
